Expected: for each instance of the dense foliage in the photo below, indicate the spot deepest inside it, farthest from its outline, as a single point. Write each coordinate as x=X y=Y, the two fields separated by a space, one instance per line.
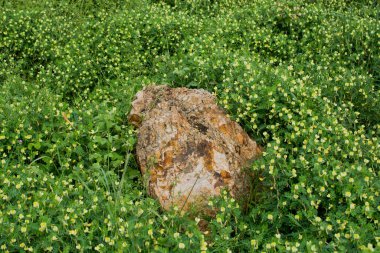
x=302 y=77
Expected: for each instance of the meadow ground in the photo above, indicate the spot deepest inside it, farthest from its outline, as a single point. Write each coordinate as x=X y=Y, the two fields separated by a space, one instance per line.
x=301 y=77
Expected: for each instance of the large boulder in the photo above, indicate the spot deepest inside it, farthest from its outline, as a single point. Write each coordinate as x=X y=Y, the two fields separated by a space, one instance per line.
x=187 y=147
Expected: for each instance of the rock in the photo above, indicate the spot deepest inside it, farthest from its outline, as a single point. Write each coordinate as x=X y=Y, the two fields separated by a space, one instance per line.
x=187 y=147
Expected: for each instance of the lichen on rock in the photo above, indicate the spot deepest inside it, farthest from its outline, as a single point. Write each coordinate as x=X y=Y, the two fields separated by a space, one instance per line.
x=188 y=147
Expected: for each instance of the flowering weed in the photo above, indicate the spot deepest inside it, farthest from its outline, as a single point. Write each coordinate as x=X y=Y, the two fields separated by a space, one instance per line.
x=301 y=77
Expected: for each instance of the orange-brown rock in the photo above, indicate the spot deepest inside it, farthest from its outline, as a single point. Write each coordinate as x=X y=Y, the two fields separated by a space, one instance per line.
x=187 y=146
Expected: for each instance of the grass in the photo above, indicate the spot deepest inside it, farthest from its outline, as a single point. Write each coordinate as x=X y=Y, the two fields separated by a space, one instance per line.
x=301 y=77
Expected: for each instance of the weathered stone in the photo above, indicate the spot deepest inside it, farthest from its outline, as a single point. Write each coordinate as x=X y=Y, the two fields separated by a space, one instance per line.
x=187 y=146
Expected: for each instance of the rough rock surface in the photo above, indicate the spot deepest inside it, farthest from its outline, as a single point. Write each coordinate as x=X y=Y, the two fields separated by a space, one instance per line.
x=187 y=146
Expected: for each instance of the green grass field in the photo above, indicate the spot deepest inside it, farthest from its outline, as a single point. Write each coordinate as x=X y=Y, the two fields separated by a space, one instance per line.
x=302 y=77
